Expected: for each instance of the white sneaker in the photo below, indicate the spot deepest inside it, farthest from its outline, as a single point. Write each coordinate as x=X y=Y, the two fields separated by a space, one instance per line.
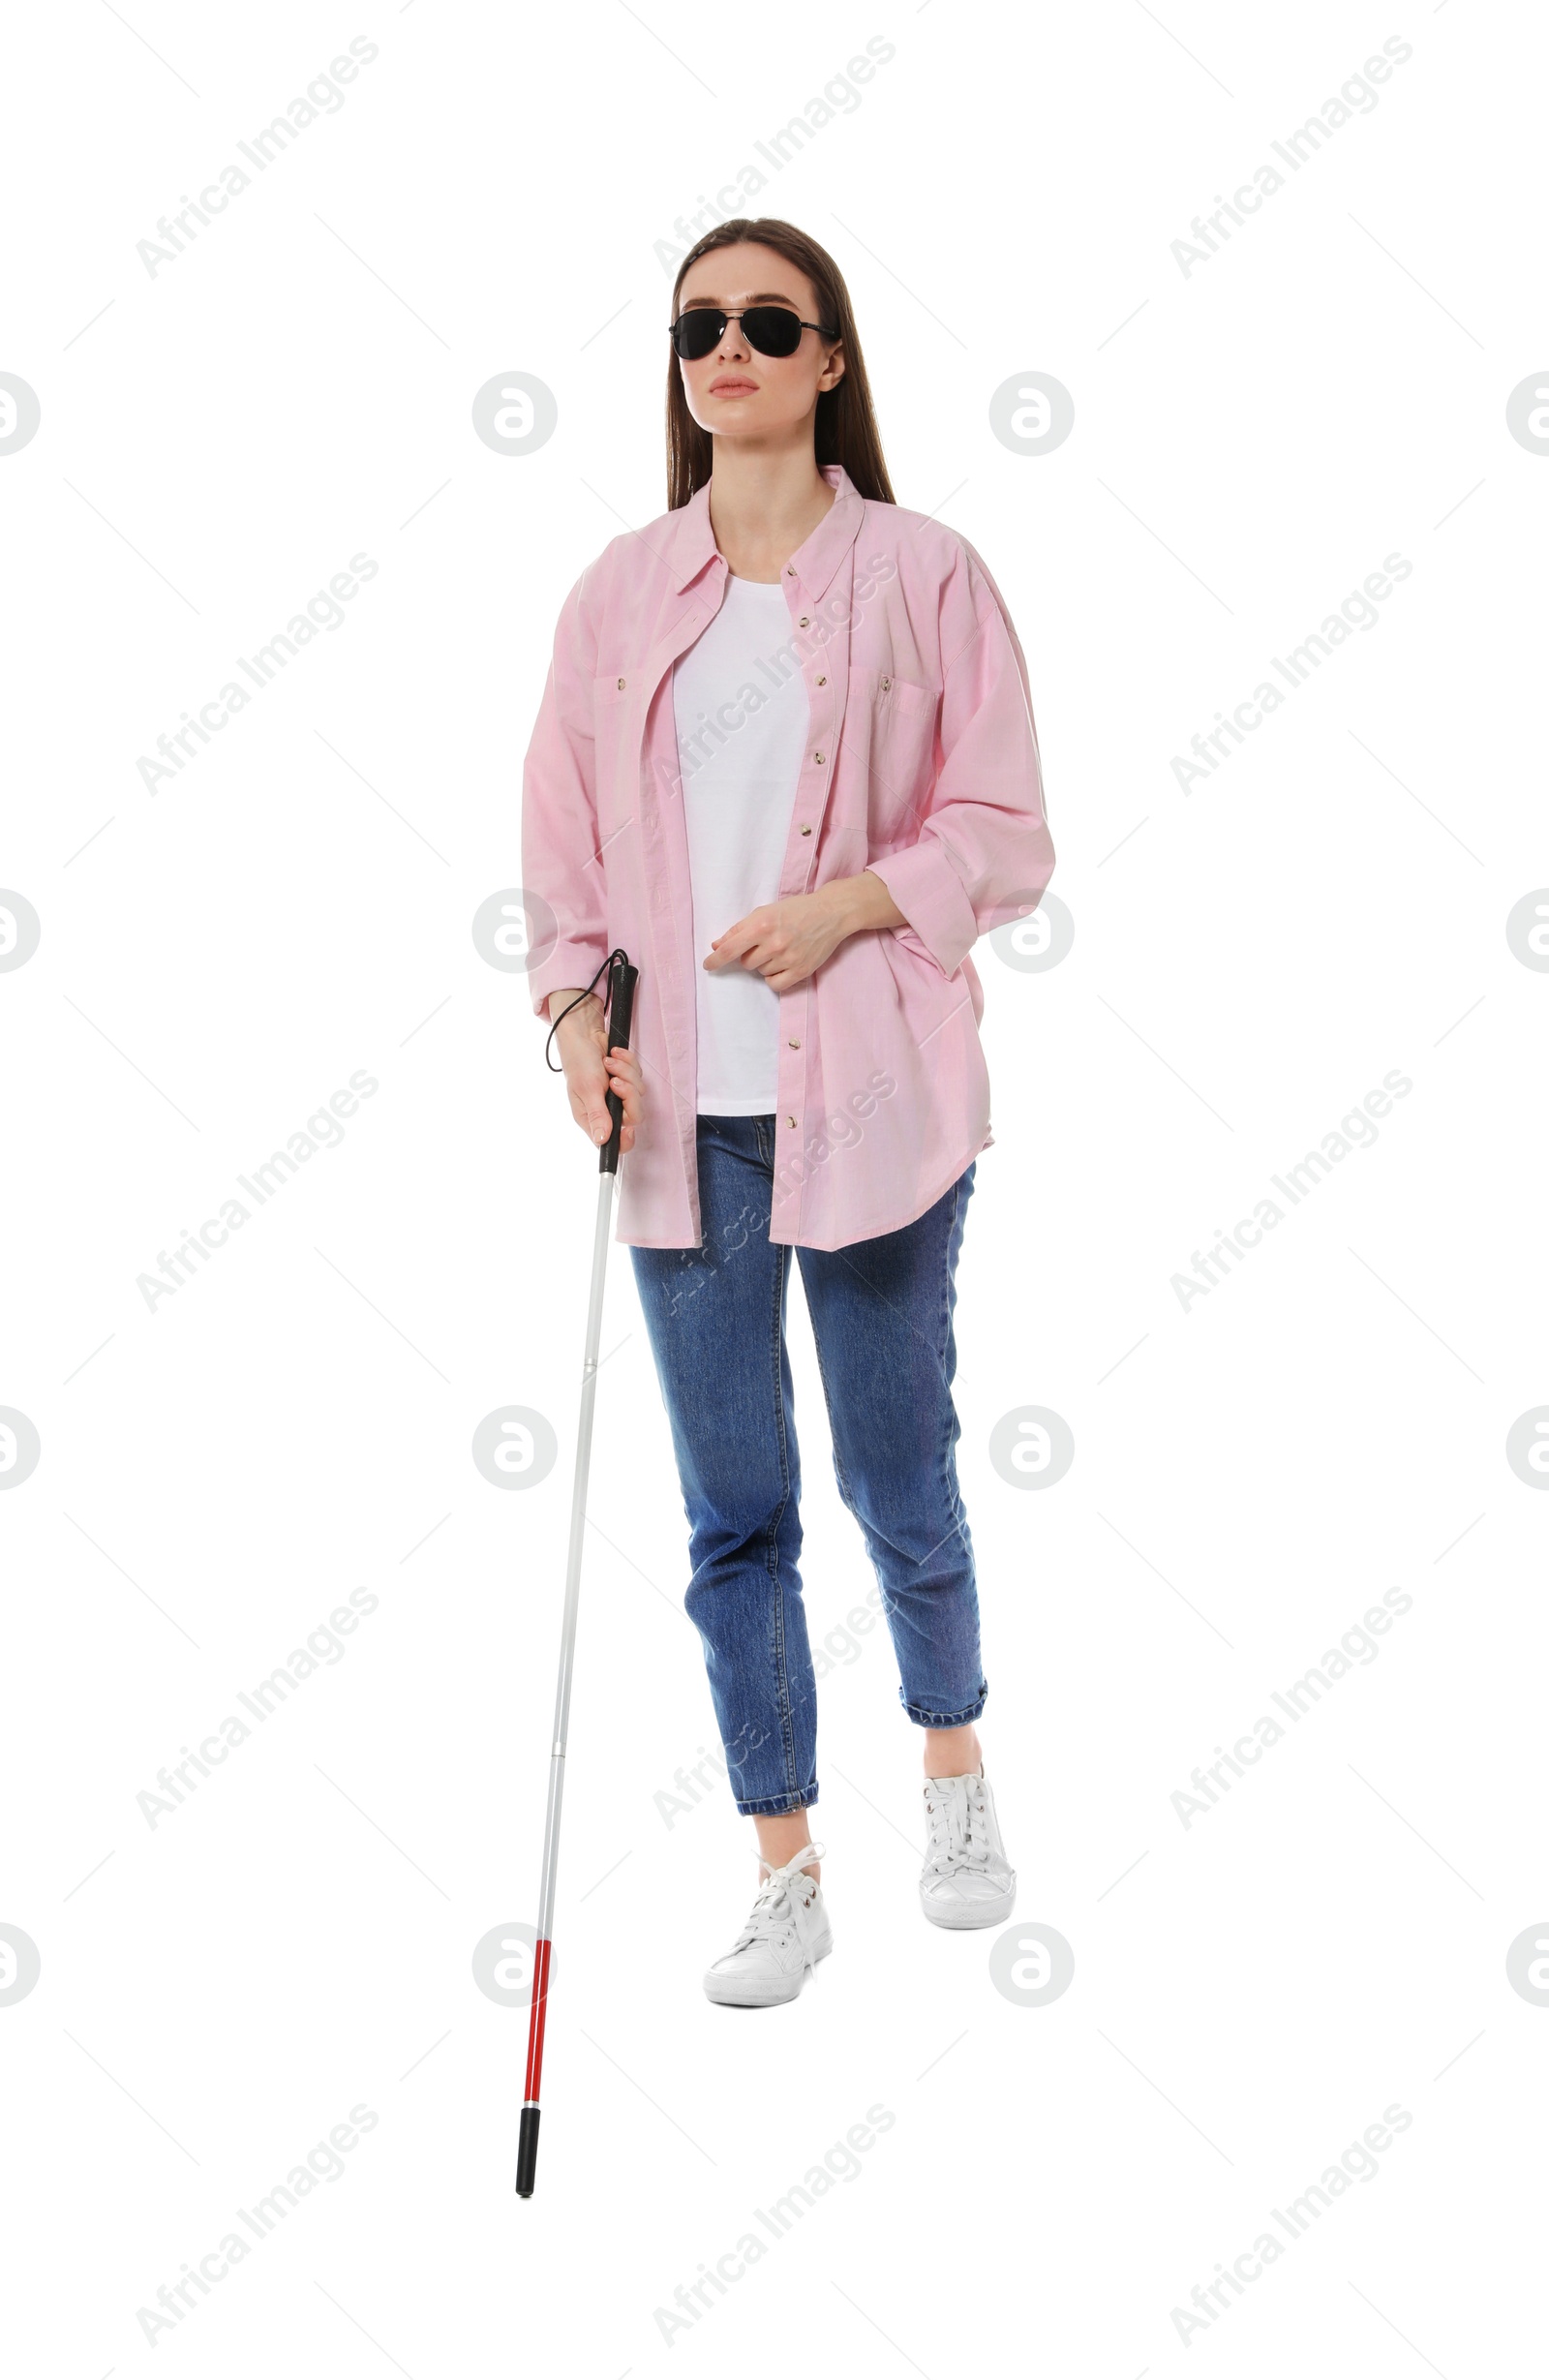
x=788 y=1932
x=966 y=1879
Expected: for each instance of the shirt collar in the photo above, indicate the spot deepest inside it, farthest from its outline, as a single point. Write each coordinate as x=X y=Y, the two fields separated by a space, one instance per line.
x=691 y=540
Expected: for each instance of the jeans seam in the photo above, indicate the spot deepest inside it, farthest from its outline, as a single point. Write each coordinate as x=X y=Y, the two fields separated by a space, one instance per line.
x=782 y=1664
x=839 y=1472
x=948 y=1470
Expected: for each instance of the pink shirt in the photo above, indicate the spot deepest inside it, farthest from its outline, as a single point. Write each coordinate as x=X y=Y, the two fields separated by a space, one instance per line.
x=920 y=764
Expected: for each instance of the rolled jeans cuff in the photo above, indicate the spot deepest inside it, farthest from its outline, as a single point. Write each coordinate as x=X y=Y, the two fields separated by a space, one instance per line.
x=776 y=1804
x=947 y=1719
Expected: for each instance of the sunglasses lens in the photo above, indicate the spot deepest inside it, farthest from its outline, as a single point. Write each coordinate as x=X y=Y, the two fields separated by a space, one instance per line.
x=698 y=332
x=774 y=331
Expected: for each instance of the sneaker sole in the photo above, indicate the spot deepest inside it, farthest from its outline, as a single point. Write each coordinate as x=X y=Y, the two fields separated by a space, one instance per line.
x=968 y=1916
x=734 y=1992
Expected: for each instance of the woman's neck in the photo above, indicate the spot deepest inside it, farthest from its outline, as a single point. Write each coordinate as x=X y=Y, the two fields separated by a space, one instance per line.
x=764 y=505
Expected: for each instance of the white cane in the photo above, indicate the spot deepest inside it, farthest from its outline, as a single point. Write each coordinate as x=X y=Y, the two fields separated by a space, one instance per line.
x=622 y=981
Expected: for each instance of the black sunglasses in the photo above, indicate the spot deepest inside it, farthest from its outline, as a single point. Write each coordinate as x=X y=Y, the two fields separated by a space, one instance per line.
x=771 y=330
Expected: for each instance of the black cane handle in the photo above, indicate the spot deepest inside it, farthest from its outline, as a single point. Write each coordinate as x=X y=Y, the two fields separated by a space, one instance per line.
x=621 y=1016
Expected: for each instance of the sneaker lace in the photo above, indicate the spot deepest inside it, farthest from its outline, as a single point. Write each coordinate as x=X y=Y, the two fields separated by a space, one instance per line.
x=955 y=1808
x=774 y=1912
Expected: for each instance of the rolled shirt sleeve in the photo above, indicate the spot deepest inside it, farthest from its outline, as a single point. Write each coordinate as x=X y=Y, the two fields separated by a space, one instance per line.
x=983 y=853
x=562 y=868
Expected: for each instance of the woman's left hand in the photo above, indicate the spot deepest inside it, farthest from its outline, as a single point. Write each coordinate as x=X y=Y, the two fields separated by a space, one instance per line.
x=786 y=941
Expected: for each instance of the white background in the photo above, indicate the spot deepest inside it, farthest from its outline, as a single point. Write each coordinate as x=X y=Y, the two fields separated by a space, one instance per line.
x=1250 y=959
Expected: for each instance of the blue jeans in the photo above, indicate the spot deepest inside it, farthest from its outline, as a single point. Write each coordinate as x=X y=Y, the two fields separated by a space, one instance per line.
x=881 y=1312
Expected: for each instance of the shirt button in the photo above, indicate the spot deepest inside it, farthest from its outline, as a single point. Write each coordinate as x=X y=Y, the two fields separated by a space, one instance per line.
x=806 y=830
x=790 y=569
x=793 y=1044
x=791 y=1120
x=822 y=681
x=885 y=683
x=818 y=757
x=621 y=686
x=803 y=622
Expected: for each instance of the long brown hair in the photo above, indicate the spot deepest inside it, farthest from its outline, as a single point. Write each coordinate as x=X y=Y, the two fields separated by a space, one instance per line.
x=846 y=427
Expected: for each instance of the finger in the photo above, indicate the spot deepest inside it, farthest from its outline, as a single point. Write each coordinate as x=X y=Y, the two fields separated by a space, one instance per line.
x=728 y=947
x=625 y=1082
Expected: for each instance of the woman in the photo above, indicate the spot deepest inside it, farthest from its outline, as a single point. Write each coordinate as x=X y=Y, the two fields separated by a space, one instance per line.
x=787 y=758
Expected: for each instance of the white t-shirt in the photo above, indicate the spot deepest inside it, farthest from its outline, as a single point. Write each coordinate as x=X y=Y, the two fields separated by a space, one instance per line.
x=740 y=709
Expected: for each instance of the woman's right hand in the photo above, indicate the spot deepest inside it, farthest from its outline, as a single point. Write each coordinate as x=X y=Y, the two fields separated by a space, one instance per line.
x=591 y=1070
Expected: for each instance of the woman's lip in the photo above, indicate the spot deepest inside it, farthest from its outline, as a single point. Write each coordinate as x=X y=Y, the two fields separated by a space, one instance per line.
x=733 y=389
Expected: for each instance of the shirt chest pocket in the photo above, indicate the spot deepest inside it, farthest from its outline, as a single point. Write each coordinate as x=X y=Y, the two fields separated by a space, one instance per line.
x=898 y=720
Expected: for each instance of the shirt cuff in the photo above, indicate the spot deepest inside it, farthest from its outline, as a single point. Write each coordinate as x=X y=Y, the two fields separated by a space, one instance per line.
x=568 y=962
x=929 y=890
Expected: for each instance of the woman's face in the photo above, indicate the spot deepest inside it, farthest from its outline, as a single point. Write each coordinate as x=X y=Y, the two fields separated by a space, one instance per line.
x=734 y=391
